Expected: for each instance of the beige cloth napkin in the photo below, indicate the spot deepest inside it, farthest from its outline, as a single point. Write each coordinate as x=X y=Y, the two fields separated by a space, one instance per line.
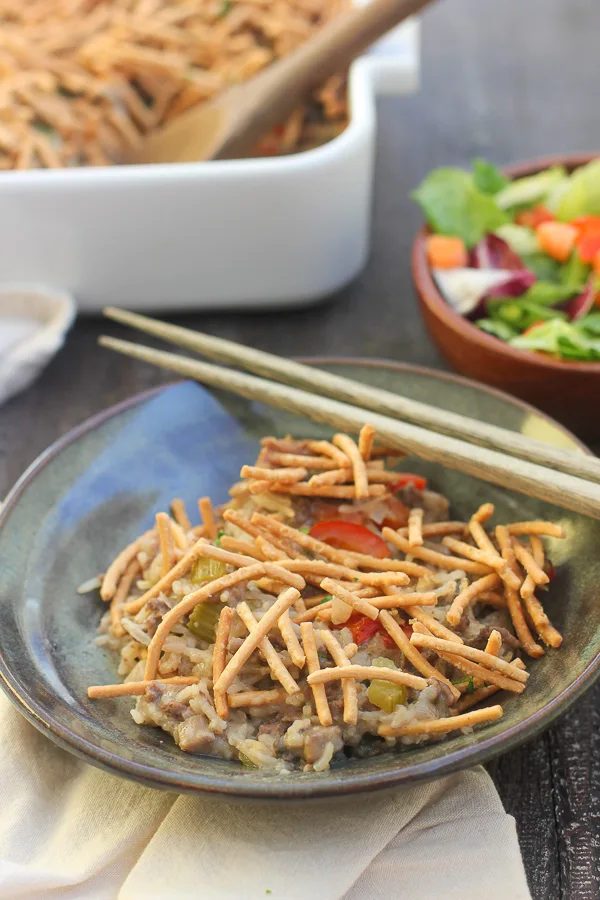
x=69 y=831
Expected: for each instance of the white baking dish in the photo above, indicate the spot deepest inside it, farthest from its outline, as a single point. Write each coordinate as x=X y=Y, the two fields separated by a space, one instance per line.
x=232 y=234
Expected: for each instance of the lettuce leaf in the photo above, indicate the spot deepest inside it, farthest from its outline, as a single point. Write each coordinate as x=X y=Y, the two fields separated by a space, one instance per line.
x=560 y=338
x=575 y=272
x=544 y=267
x=542 y=293
x=487 y=178
x=453 y=205
x=522 y=240
x=498 y=328
x=582 y=197
x=521 y=314
x=547 y=293
x=590 y=324
x=531 y=189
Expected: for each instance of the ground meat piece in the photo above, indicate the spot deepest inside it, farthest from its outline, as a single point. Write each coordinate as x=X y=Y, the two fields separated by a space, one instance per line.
x=154 y=692
x=194 y=734
x=157 y=604
x=166 y=701
x=158 y=608
x=159 y=706
x=174 y=708
x=336 y=706
x=308 y=511
x=274 y=727
x=316 y=738
x=302 y=512
x=436 y=507
x=481 y=639
x=410 y=496
x=185 y=666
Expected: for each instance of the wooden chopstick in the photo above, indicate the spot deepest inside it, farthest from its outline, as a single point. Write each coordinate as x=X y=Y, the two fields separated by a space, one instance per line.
x=566 y=491
x=346 y=389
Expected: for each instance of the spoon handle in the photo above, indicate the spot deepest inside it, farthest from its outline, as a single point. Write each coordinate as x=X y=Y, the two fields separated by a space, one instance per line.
x=272 y=95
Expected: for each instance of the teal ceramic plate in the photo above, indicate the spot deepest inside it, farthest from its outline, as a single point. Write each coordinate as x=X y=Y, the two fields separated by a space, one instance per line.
x=100 y=486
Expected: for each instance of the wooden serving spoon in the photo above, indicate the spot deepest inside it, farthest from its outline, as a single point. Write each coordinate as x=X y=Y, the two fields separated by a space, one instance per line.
x=231 y=125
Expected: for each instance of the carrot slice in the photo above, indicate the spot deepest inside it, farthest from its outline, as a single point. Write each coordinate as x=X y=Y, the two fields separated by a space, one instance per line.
x=557 y=239
x=445 y=252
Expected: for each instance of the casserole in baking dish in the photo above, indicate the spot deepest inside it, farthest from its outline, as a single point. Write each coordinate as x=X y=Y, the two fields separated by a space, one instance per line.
x=228 y=234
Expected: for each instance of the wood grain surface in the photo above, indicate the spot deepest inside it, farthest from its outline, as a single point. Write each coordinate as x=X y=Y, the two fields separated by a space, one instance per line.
x=507 y=80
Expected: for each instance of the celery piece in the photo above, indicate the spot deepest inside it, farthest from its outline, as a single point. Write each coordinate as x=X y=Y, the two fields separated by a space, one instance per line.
x=203 y=620
x=384 y=663
x=207 y=570
x=385 y=694
x=204 y=616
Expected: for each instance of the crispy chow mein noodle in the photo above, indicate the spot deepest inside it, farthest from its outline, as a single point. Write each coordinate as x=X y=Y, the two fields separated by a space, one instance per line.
x=83 y=81
x=296 y=629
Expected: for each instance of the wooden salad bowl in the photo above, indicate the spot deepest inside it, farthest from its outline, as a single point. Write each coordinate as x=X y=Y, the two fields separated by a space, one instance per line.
x=567 y=390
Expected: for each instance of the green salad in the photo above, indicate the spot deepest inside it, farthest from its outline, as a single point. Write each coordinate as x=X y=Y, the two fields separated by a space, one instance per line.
x=520 y=258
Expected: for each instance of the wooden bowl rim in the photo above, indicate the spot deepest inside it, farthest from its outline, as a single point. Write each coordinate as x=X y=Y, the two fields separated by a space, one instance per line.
x=434 y=300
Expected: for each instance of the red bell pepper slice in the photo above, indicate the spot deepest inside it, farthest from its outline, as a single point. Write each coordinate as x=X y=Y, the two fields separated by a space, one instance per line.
x=531 y=218
x=588 y=238
x=363 y=628
x=405 y=478
x=351 y=537
x=588 y=243
x=585 y=222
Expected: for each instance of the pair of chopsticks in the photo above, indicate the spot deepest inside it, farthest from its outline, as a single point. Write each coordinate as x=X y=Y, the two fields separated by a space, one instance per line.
x=571 y=480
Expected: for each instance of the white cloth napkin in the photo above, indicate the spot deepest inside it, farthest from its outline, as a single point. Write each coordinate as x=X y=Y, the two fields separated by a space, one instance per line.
x=33 y=323
x=71 y=832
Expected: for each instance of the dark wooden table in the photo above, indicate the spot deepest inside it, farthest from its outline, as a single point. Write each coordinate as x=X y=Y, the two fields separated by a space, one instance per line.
x=507 y=80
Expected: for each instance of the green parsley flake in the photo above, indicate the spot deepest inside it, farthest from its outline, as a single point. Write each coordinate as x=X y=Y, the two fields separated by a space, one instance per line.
x=469 y=682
